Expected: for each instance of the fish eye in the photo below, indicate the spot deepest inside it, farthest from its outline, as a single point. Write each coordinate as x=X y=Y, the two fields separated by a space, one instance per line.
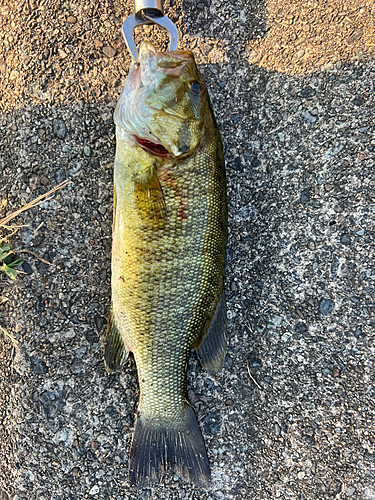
x=196 y=88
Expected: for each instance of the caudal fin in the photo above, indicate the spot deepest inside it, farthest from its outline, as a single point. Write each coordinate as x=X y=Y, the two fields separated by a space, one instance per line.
x=160 y=446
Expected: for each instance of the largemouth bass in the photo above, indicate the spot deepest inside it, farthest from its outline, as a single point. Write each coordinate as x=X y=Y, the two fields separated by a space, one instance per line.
x=168 y=253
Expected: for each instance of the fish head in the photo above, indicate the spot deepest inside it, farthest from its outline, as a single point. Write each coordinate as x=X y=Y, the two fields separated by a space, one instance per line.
x=164 y=102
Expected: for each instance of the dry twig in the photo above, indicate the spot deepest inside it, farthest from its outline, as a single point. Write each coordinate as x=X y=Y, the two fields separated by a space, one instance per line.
x=32 y=204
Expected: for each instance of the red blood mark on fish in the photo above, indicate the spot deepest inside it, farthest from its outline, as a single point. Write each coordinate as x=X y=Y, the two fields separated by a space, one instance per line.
x=168 y=179
x=183 y=215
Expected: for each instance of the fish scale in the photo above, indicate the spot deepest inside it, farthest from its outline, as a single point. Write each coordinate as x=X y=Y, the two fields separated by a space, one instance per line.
x=168 y=257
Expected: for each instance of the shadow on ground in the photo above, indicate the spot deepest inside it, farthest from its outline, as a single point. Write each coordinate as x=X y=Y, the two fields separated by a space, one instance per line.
x=290 y=415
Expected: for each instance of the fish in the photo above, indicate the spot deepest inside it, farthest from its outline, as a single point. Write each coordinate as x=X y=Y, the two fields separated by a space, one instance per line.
x=168 y=257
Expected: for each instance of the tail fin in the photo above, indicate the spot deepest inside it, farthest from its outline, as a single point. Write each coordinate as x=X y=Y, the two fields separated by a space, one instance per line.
x=176 y=446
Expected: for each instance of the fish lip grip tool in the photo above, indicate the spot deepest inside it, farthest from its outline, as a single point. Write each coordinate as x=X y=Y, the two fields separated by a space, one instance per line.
x=148 y=12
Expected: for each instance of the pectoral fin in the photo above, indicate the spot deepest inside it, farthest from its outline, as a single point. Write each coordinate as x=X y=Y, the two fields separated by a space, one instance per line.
x=150 y=196
x=115 y=351
x=212 y=349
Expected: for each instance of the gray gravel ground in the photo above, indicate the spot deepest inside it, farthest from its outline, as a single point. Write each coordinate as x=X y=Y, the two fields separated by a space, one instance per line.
x=291 y=415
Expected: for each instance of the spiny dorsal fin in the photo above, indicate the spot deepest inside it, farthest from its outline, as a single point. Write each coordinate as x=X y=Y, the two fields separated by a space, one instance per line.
x=115 y=351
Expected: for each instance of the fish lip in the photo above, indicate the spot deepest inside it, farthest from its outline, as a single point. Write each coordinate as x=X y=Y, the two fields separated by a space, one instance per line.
x=155 y=148
x=170 y=63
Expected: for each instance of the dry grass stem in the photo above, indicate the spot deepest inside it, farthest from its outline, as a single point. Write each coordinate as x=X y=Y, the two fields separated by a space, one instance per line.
x=252 y=378
x=35 y=255
x=15 y=343
x=32 y=203
x=37 y=229
x=13 y=229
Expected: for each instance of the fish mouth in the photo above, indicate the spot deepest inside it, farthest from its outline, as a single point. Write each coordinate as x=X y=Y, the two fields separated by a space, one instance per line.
x=152 y=147
x=169 y=63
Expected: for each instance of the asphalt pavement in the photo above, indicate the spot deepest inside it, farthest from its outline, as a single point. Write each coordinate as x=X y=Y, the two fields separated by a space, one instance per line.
x=291 y=415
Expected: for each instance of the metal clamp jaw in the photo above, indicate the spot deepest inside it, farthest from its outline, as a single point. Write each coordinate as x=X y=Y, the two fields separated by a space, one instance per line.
x=148 y=12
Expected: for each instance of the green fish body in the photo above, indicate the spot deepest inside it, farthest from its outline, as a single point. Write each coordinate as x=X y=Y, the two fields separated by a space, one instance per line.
x=168 y=254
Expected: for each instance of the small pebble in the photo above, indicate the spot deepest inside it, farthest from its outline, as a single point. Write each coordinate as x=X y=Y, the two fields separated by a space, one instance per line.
x=345 y=239
x=276 y=320
x=62 y=54
x=305 y=197
x=332 y=152
x=254 y=362
x=243 y=16
x=308 y=118
x=300 y=53
x=301 y=328
x=326 y=307
x=14 y=74
x=94 y=490
x=362 y=156
x=281 y=136
x=245 y=213
x=99 y=474
x=70 y=333
x=355 y=36
x=255 y=162
x=27 y=268
x=59 y=128
x=350 y=491
x=335 y=372
x=307 y=92
x=72 y=19
x=109 y=51
x=64 y=435
x=233 y=286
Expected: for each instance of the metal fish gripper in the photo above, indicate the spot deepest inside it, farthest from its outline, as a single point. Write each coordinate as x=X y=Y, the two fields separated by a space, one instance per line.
x=148 y=12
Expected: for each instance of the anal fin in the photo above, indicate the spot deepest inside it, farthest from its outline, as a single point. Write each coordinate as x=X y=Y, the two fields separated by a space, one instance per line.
x=115 y=351
x=212 y=349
